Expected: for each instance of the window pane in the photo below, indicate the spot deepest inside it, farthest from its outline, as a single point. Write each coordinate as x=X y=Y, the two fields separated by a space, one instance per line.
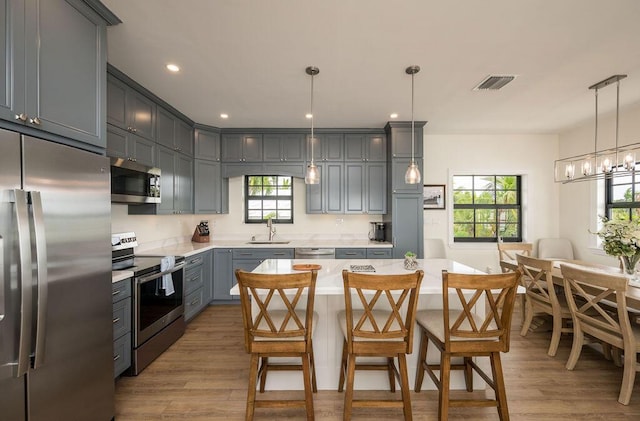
x=266 y=214
x=253 y=214
x=620 y=214
x=484 y=182
x=462 y=182
x=462 y=197
x=463 y=215
x=284 y=214
x=485 y=230
x=485 y=215
x=624 y=179
x=486 y=197
x=508 y=230
x=509 y=197
x=284 y=204
x=269 y=204
x=621 y=193
x=463 y=230
x=284 y=190
x=506 y=182
x=254 y=204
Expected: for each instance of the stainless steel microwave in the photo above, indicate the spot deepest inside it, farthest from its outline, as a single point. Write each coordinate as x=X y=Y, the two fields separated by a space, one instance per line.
x=134 y=183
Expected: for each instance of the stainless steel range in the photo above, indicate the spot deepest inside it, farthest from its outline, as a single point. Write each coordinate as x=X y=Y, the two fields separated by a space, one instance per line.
x=158 y=299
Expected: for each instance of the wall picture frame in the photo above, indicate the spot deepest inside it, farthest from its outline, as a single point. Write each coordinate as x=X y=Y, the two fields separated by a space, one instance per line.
x=433 y=196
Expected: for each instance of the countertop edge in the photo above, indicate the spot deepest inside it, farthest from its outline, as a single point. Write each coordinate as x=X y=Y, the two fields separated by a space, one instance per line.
x=120 y=275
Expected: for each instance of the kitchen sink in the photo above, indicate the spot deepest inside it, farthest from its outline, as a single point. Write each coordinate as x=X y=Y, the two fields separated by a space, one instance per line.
x=267 y=242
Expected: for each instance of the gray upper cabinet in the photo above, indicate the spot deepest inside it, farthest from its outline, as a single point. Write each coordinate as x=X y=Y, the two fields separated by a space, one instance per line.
x=328 y=196
x=326 y=147
x=127 y=145
x=53 y=50
x=283 y=147
x=365 y=147
x=211 y=191
x=400 y=138
x=241 y=147
x=174 y=133
x=207 y=144
x=365 y=185
x=130 y=110
x=398 y=169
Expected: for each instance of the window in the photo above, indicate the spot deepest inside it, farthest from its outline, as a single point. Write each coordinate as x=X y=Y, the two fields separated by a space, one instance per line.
x=268 y=196
x=622 y=195
x=486 y=207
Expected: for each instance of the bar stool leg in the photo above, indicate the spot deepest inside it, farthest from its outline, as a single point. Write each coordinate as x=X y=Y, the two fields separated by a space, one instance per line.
x=251 y=390
x=404 y=385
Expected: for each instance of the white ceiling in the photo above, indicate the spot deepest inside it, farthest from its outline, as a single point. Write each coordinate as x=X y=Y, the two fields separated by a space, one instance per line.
x=247 y=58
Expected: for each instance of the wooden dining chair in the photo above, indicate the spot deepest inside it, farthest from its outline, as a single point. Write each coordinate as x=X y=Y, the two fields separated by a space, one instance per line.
x=280 y=326
x=508 y=252
x=594 y=315
x=383 y=328
x=461 y=329
x=541 y=298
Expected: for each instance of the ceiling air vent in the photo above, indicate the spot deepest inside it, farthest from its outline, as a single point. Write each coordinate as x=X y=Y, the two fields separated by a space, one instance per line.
x=494 y=82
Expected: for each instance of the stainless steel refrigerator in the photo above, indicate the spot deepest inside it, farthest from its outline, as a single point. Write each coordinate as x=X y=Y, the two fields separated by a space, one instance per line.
x=56 y=334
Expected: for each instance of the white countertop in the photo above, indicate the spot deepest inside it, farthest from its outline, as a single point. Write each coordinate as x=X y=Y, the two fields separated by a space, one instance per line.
x=329 y=281
x=189 y=249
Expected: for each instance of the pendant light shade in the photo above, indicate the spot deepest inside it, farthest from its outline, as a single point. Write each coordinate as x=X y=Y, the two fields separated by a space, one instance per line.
x=412 y=176
x=313 y=175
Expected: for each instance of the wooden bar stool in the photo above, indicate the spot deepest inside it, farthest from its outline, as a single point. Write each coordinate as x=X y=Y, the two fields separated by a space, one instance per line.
x=281 y=327
x=383 y=328
x=465 y=333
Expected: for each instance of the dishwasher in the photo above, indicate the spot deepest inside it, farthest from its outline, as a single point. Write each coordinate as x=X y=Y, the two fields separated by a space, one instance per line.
x=315 y=253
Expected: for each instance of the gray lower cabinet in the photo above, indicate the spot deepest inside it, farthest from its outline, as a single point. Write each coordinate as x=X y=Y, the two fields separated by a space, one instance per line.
x=223 y=276
x=366 y=188
x=328 y=196
x=129 y=146
x=53 y=68
x=364 y=253
x=121 y=293
x=211 y=191
x=198 y=282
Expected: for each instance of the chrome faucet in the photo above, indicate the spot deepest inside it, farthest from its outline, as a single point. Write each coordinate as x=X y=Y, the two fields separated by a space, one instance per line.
x=272 y=229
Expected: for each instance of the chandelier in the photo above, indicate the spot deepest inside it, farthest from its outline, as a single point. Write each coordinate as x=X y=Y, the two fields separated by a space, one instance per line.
x=617 y=161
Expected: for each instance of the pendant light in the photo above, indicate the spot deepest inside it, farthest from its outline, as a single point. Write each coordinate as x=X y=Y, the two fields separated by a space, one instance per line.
x=312 y=176
x=412 y=176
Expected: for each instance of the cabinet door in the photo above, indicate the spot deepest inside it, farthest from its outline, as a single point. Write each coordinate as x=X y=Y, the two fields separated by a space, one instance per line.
x=207 y=187
x=408 y=225
x=141 y=115
x=252 y=148
x=223 y=276
x=355 y=185
x=12 y=70
x=116 y=102
x=398 y=169
x=66 y=70
x=314 y=197
x=207 y=276
x=272 y=148
x=333 y=147
x=184 y=138
x=231 y=148
x=207 y=145
x=183 y=180
x=376 y=188
x=333 y=186
x=293 y=147
x=354 y=147
x=166 y=128
x=401 y=142
x=166 y=163
x=117 y=142
x=376 y=147
x=142 y=150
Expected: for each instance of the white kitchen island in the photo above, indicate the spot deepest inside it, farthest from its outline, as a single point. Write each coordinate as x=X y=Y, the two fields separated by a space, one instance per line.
x=327 y=336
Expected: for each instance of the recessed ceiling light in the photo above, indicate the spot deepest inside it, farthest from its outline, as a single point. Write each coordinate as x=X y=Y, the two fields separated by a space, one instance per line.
x=393 y=115
x=308 y=115
x=173 y=68
x=223 y=115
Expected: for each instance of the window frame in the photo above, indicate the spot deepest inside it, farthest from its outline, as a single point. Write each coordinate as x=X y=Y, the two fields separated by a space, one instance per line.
x=495 y=206
x=610 y=205
x=247 y=197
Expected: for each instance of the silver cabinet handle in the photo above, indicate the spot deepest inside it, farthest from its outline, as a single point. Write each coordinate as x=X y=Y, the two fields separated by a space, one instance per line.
x=24 y=277
x=116 y=292
x=35 y=121
x=2 y=287
x=22 y=117
x=116 y=358
x=43 y=279
x=116 y=320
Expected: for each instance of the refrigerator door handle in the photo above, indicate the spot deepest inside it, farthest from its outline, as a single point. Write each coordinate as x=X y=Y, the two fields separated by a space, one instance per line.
x=25 y=280
x=43 y=280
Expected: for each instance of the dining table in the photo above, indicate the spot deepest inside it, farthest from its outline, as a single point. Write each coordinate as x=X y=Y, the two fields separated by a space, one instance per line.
x=633 y=291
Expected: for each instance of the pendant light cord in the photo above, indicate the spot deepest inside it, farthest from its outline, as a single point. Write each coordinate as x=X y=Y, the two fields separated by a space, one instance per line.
x=412 y=120
x=312 y=138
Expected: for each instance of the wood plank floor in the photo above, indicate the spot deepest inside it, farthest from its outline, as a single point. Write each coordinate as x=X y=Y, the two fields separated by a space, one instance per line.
x=204 y=376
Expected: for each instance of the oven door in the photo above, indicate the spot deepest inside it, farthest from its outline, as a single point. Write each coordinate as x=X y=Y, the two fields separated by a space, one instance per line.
x=154 y=309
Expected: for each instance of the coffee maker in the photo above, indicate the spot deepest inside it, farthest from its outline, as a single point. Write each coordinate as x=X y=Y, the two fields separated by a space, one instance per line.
x=377 y=231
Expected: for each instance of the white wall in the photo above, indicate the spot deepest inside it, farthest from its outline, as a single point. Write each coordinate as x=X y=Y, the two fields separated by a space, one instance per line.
x=155 y=231
x=581 y=203
x=531 y=156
